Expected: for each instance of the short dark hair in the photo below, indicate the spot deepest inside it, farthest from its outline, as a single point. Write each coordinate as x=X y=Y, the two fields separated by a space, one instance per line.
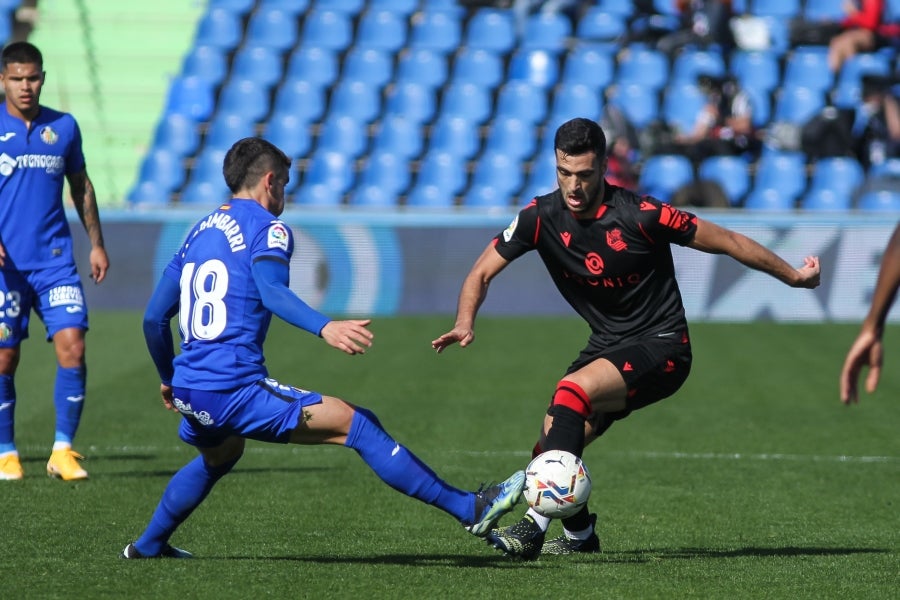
x=249 y=159
x=580 y=136
x=21 y=52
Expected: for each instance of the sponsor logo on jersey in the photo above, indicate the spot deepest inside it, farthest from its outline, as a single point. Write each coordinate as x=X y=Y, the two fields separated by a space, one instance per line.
x=594 y=263
x=51 y=163
x=7 y=136
x=614 y=240
x=67 y=295
x=278 y=236
x=49 y=136
x=509 y=231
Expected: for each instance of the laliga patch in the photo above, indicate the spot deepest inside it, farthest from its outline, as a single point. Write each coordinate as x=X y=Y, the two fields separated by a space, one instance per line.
x=278 y=237
x=509 y=231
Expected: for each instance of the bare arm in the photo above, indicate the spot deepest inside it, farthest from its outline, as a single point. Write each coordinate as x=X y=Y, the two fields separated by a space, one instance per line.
x=867 y=349
x=471 y=296
x=715 y=239
x=85 y=201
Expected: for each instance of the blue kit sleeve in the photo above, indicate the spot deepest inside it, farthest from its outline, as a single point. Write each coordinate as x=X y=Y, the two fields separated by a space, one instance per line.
x=163 y=305
x=272 y=278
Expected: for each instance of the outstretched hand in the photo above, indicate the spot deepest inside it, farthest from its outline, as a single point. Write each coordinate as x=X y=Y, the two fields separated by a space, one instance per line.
x=167 y=397
x=350 y=336
x=457 y=335
x=809 y=274
x=866 y=351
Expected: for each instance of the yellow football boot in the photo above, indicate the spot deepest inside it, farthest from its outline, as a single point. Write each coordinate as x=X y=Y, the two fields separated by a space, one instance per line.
x=64 y=465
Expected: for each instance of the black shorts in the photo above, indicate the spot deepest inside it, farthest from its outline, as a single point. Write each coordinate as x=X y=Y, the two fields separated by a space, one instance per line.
x=653 y=367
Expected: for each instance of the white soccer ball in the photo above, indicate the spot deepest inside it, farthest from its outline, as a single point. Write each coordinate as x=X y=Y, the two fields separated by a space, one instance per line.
x=557 y=484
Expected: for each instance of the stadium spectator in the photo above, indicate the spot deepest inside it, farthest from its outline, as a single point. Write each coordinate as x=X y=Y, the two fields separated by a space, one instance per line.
x=608 y=251
x=41 y=152
x=624 y=148
x=226 y=281
x=876 y=128
x=867 y=349
x=703 y=23
x=725 y=124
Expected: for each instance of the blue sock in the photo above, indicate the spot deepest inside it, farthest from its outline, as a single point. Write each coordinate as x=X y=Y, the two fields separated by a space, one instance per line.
x=7 y=413
x=68 y=398
x=186 y=490
x=402 y=470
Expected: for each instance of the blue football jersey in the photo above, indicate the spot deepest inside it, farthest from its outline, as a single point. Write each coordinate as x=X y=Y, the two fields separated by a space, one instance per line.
x=33 y=166
x=221 y=317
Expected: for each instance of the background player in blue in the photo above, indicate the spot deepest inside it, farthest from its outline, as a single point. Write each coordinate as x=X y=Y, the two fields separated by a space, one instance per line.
x=608 y=252
x=40 y=149
x=225 y=283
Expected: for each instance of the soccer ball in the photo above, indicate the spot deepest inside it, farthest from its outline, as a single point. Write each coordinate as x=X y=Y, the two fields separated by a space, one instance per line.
x=557 y=484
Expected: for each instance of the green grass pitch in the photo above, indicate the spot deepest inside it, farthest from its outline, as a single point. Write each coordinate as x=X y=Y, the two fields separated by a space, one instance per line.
x=752 y=482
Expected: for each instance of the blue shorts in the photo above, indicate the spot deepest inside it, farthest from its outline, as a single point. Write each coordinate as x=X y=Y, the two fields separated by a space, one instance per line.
x=55 y=294
x=266 y=411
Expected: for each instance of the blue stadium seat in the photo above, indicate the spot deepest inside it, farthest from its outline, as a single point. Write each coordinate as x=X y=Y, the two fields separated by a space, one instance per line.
x=219 y=27
x=206 y=62
x=841 y=174
x=538 y=67
x=386 y=170
x=782 y=171
x=681 y=106
x=331 y=169
x=414 y=101
x=797 y=105
x=397 y=134
x=177 y=133
x=227 y=128
x=885 y=200
x=541 y=180
x=207 y=165
x=397 y=7
x=382 y=30
x=782 y=9
x=342 y=134
x=599 y=24
x=730 y=172
x=769 y=199
x=436 y=30
x=491 y=29
x=313 y=64
x=294 y=8
x=807 y=66
x=690 y=63
x=456 y=135
x=826 y=200
x=639 y=105
x=205 y=193
x=467 y=100
x=662 y=174
x=430 y=195
x=326 y=28
x=357 y=99
x=423 y=65
x=245 y=97
x=191 y=96
x=590 y=65
x=620 y=8
x=261 y=64
x=240 y=7
x=290 y=133
x=848 y=92
x=372 y=196
x=486 y=196
x=350 y=7
x=301 y=99
x=521 y=100
x=572 y=100
x=481 y=67
x=145 y=193
x=643 y=66
x=164 y=168
x=756 y=69
x=511 y=136
x=501 y=172
x=318 y=195
x=272 y=27
x=442 y=169
x=824 y=10
x=546 y=31
x=761 y=104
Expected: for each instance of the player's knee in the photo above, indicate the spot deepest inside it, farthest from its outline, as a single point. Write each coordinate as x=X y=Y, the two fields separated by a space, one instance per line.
x=572 y=396
x=369 y=415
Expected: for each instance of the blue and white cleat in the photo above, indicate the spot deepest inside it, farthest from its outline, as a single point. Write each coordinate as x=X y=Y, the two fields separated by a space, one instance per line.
x=495 y=501
x=131 y=551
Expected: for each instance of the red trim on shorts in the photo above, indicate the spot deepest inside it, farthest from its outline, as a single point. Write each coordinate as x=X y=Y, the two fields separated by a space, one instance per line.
x=571 y=395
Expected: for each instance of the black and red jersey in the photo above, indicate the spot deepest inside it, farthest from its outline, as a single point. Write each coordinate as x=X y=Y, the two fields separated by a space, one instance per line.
x=616 y=268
